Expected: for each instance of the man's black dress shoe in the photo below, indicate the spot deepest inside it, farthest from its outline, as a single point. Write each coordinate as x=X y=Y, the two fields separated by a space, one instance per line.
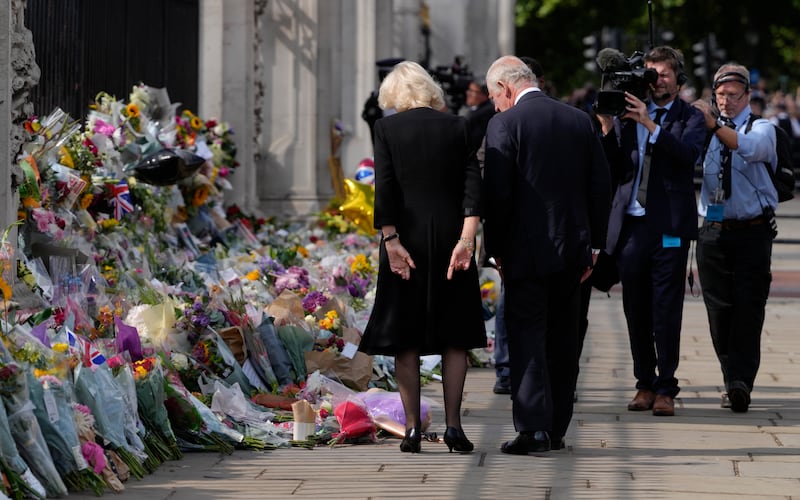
x=739 y=396
x=527 y=442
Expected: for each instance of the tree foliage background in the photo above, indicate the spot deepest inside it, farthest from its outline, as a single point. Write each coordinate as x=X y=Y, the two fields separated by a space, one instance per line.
x=763 y=36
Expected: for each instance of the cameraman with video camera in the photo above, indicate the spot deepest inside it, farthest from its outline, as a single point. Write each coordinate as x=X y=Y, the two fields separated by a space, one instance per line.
x=652 y=144
x=734 y=249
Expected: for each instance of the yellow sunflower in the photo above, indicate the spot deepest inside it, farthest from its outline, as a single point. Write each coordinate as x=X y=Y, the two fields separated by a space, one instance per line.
x=132 y=110
x=196 y=123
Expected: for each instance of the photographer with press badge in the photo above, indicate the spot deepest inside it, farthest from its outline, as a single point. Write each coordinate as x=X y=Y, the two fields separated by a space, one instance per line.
x=651 y=147
x=734 y=249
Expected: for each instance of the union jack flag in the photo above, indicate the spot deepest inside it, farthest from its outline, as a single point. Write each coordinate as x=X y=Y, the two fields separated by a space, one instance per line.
x=121 y=199
x=84 y=348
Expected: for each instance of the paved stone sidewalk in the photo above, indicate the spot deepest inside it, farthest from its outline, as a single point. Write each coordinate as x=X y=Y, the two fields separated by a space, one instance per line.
x=702 y=452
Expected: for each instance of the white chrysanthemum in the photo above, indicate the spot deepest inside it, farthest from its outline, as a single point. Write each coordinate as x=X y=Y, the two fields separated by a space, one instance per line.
x=135 y=319
x=180 y=361
x=84 y=422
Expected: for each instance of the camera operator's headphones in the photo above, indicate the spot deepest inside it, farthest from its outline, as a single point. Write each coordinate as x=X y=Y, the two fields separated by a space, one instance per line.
x=729 y=76
x=681 y=75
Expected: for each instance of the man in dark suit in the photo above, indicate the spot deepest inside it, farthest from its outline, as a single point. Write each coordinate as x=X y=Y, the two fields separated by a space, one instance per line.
x=547 y=187
x=653 y=219
x=481 y=110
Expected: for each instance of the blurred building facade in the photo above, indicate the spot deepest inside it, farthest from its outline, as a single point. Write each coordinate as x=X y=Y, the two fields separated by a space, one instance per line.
x=280 y=71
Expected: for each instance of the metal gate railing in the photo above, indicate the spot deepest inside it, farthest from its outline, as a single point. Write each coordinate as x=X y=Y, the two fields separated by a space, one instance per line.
x=87 y=46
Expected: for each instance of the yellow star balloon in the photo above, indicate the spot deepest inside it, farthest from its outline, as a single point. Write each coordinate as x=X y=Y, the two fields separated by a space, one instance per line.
x=359 y=204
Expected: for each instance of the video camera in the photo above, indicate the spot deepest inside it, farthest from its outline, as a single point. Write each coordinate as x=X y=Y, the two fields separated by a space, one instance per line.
x=621 y=74
x=455 y=81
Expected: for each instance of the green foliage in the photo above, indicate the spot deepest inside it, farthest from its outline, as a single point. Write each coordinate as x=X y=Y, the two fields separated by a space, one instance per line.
x=762 y=38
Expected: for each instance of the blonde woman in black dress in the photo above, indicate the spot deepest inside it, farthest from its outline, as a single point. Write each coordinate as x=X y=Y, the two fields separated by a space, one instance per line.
x=427 y=206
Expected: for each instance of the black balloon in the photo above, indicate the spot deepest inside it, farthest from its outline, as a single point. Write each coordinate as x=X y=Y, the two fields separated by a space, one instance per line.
x=167 y=167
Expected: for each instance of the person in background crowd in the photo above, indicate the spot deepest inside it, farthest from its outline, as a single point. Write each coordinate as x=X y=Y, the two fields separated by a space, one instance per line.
x=372 y=111
x=480 y=111
x=427 y=207
x=787 y=117
x=734 y=249
x=541 y=225
x=653 y=219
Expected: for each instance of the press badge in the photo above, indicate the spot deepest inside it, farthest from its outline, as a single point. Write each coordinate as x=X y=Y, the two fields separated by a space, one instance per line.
x=714 y=213
x=668 y=241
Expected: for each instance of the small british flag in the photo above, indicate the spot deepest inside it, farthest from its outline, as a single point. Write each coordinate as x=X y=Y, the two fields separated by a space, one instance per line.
x=121 y=199
x=84 y=349
x=93 y=355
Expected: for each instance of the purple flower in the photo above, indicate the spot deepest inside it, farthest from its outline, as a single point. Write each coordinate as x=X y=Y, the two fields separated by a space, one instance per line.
x=267 y=265
x=358 y=287
x=313 y=301
x=293 y=278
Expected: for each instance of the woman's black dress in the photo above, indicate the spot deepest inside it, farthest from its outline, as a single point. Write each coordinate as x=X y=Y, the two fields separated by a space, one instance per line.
x=426 y=182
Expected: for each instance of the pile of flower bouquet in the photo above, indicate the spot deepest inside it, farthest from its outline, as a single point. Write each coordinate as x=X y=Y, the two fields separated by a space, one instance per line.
x=142 y=317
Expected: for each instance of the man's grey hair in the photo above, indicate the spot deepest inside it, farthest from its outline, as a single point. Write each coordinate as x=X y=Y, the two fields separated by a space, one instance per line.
x=510 y=70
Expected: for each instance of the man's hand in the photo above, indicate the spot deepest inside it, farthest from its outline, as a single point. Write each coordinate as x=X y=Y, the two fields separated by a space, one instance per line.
x=606 y=123
x=588 y=271
x=708 y=113
x=637 y=111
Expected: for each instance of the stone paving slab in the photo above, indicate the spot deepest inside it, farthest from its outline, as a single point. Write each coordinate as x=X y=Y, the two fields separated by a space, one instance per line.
x=704 y=452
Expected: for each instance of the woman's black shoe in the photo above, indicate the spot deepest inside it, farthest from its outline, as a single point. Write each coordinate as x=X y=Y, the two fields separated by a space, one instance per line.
x=412 y=443
x=455 y=439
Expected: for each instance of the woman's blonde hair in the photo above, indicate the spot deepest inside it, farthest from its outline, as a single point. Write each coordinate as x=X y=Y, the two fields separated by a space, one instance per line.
x=409 y=86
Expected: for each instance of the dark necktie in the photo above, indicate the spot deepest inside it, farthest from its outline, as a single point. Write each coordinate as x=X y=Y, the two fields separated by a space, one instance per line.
x=725 y=162
x=641 y=195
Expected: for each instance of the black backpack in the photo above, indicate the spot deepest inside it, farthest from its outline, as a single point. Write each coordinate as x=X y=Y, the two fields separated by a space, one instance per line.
x=783 y=176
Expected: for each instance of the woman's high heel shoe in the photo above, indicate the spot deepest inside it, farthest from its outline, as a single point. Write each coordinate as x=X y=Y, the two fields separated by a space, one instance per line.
x=455 y=439
x=412 y=443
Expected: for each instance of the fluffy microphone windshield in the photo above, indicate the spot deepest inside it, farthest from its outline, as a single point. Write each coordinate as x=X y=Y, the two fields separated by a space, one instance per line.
x=611 y=60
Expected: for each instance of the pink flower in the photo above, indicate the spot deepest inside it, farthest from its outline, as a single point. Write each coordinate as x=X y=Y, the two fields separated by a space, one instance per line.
x=101 y=127
x=93 y=453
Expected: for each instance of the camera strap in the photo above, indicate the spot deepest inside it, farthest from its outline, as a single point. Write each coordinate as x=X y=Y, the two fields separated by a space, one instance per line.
x=641 y=194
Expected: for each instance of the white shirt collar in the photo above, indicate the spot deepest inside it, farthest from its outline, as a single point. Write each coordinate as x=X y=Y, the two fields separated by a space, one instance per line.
x=526 y=91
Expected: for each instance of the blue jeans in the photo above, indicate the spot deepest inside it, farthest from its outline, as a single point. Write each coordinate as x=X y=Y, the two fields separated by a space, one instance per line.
x=501 y=363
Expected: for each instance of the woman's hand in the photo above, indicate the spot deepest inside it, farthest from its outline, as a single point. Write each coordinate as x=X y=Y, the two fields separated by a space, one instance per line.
x=461 y=257
x=400 y=261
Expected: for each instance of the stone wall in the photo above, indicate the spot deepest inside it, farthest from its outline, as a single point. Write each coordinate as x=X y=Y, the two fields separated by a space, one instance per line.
x=18 y=74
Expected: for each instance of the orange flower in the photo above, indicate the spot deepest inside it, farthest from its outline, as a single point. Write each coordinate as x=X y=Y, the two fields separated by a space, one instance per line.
x=5 y=288
x=200 y=196
x=132 y=110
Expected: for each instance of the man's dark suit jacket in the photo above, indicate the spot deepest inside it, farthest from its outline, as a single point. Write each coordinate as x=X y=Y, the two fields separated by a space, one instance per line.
x=671 y=204
x=548 y=188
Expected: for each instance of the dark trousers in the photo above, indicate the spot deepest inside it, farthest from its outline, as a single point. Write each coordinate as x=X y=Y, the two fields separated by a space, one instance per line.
x=734 y=270
x=653 y=287
x=541 y=316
